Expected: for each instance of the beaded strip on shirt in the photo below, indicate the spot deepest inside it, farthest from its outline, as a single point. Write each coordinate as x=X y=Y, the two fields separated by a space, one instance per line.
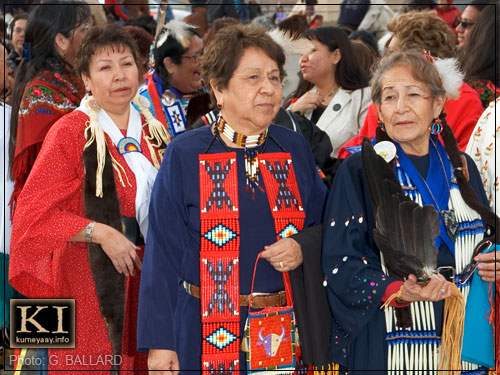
x=220 y=240
x=418 y=348
x=251 y=155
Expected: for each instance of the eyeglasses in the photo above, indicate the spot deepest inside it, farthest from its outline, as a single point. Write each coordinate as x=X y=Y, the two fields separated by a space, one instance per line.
x=196 y=57
x=256 y=79
x=469 y=269
x=465 y=24
x=83 y=27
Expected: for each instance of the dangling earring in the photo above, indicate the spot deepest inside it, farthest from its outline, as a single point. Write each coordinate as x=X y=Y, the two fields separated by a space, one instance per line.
x=381 y=125
x=436 y=127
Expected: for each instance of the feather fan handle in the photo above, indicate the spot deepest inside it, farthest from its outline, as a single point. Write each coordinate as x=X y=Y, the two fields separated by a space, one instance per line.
x=290 y=46
x=178 y=30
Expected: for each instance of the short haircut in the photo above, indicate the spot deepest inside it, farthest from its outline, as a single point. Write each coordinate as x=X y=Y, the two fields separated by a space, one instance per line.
x=219 y=62
x=421 y=69
x=423 y=30
x=101 y=37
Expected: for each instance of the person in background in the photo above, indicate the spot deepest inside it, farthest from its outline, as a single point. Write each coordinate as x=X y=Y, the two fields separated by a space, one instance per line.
x=176 y=77
x=82 y=217
x=17 y=29
x=351 y=14
x=418 y=6
x=337 y=95
x=198 y=17
x=144 y=41
x=246 y=84
x=47 y=86
x=280 y=15
x=365 y=55
x=448 y=13
x=424 y=31
x=467 y=21
x=481 y=55
x=365 y=37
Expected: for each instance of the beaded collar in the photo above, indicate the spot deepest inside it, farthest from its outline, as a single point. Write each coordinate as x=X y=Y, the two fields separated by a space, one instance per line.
x=247 y=141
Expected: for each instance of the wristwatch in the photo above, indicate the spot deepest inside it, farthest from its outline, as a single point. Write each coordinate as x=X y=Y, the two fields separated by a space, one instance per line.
x=87 y=233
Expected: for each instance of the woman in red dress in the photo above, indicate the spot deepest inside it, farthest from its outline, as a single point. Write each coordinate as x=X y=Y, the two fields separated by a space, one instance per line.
x=81 y=219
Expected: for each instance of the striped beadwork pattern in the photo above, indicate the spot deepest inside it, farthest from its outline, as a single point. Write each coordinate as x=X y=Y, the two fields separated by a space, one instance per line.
x=219 y=271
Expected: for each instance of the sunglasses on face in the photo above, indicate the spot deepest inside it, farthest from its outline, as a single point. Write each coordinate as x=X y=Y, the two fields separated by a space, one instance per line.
x=465 y=24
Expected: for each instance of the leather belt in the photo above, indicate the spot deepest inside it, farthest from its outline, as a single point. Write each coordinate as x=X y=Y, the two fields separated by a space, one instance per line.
x=259 y=300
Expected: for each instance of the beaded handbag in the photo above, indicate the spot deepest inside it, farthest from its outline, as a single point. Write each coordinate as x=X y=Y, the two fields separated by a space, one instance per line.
x=271 y=337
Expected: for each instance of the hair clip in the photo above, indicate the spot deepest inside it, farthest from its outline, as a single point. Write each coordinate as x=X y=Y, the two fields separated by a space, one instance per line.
x=428 y=56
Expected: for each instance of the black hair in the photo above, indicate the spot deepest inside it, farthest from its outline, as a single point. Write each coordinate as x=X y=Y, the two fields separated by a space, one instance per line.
x=349 y=74
x=170 y=48
x=367 y=37
x=44 y=23
x=481 y=55
x=478 y=4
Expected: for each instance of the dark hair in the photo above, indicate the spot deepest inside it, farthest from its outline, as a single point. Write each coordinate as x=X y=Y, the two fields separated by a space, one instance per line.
x=364 y=55
x=44 y=23
x=217 y=24
x=418 y=5
x=219 y=62
x=100 y=37
x=421 y=69
x=479 y=4
x=147 y=23
x=170 y=48
x=142 y=38
x=295 y=25
x=349 y=74
x=481 y=57
x=17 y=17
x=366 y=37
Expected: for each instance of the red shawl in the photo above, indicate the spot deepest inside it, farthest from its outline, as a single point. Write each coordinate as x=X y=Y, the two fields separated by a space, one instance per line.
x=47 y=97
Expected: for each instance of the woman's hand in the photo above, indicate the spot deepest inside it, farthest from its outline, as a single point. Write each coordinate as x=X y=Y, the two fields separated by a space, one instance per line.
x=436 y=289
x=163 y=362
x=487 y=266
x=121 y=251
x=307 y=101
x=284 y=255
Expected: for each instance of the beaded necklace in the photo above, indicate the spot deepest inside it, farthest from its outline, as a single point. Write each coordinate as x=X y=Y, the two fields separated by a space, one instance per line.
x=249 y=143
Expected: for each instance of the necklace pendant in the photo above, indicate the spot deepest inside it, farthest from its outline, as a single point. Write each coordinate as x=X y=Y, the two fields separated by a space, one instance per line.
x=450 y=222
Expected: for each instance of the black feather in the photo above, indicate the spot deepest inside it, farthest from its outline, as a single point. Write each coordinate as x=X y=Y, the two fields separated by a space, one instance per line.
x=404 y=231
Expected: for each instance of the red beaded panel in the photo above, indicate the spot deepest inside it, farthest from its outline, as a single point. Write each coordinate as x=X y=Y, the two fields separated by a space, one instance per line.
x=219 y=271
x=283 y=193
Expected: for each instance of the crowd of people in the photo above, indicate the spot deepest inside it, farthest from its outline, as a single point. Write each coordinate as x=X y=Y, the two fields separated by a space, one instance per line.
x=148 y=167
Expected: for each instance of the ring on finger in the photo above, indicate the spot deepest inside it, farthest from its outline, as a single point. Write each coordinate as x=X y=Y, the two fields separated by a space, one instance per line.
x=281 y=264
x=443 y=290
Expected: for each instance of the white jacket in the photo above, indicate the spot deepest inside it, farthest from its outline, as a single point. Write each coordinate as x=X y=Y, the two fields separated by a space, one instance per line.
x=343 y=118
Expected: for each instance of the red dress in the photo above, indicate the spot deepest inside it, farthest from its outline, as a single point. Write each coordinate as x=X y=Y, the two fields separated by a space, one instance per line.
x=461 y=114
x=45 y=265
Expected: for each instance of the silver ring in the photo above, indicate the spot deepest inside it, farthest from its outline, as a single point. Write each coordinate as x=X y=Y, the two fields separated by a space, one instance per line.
x=443 y=290
x=281 y=265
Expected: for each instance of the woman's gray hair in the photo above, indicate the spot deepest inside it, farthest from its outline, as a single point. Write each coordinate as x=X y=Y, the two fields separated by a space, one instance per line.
x=420 y=68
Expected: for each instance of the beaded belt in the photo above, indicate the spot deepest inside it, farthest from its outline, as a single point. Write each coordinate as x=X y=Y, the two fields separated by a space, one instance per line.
x=259 y=300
